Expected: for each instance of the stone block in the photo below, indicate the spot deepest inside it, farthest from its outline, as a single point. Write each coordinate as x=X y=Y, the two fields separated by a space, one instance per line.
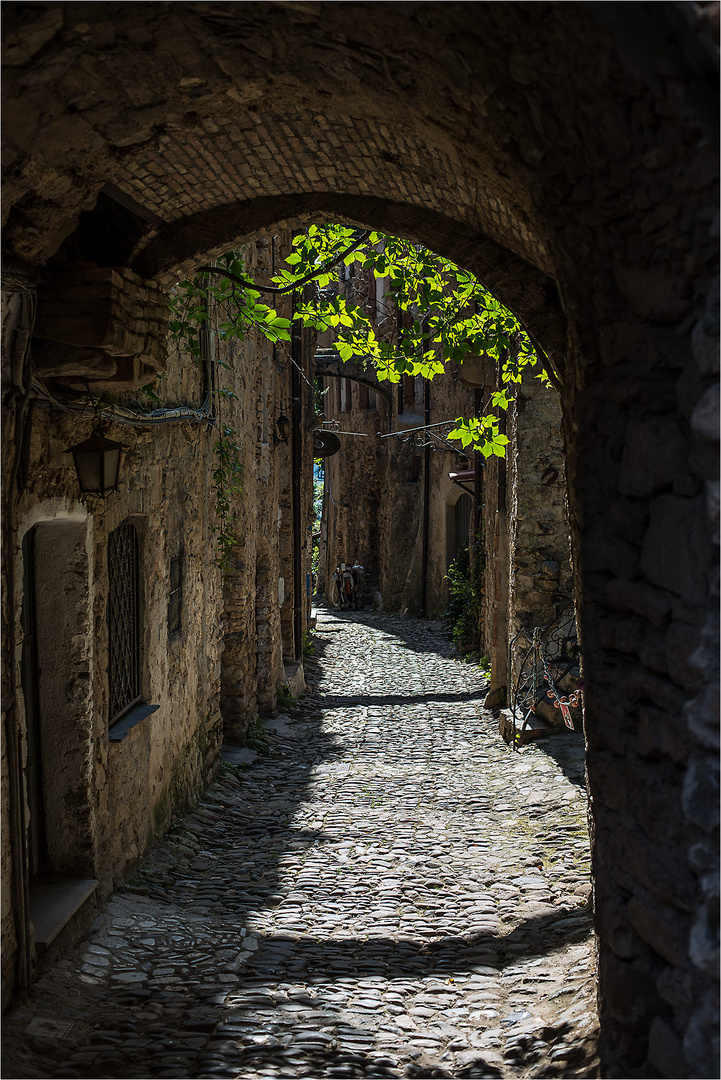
x=705 y=417
x=704 y=939
x=654 y=454
x=652 y=651
x=495 y=697
x=629 y=519
x=660 y=868
x=621 y=635
x=662 y=927
x=665 y=1050
x=614 y=929
x=641 y=684
x=701 y=792
x=682 y=638
x=661 y=734
x=641 y=598
x=628 y=990
x=701 y=1040
x=676 y=553
x=129 y=375
x=53 y=359
x=676 y=987
x=704 y=856
x=702 y=717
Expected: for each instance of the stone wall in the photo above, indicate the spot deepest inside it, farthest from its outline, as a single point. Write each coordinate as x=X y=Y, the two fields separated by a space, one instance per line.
x=258 y=614
x=107 y=800
x=528 y=575
x=540 y=576
x=375 y=486
x=108 y=792
x=374 y=492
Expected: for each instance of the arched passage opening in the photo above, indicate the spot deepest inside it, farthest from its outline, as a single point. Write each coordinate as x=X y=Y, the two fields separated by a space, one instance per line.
x=572 y=173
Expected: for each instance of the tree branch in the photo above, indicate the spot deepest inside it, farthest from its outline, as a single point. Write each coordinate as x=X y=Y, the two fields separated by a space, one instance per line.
x=221 y=272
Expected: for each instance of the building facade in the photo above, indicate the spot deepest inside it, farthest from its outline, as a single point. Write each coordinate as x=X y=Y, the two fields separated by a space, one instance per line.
x=132 y=654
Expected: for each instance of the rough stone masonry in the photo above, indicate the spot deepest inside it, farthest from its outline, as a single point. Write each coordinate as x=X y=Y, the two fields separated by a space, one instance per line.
x=567 y=155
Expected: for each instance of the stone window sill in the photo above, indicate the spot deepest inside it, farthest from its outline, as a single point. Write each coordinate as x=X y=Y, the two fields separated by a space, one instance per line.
x=134 y=716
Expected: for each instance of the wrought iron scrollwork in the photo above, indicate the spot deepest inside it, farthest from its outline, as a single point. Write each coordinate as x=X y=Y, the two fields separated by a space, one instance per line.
x=434 y=436
x=551 y=660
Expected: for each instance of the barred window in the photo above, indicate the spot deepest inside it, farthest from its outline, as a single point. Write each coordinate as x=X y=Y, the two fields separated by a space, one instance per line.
x=175 y=597
x=123 y=620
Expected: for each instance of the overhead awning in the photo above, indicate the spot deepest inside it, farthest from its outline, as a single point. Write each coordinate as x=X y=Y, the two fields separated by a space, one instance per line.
x=463 y=478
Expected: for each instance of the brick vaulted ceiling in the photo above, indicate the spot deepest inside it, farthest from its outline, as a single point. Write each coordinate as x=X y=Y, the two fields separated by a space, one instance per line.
x=474 y=127
x=188 y=107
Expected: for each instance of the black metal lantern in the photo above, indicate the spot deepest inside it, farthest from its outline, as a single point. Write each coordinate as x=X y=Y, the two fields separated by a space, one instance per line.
x=283 y=426
x=97 y=463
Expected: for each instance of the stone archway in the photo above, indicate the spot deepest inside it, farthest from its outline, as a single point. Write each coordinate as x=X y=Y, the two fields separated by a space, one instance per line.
x=563 y=154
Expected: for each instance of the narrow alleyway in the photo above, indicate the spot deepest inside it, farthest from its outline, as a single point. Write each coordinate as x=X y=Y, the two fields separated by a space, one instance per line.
x=387 y=890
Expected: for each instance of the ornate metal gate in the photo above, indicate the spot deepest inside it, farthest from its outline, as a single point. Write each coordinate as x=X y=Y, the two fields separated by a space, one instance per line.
x=549 y=666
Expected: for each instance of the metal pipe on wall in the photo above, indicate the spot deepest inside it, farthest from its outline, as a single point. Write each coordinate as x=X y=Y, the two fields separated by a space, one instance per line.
x=296 y=351
x=24 y=285
x=426 y=498
x=477 y=479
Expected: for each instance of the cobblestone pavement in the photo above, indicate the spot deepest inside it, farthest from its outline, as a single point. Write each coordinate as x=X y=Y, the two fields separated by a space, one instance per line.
x=388 y=890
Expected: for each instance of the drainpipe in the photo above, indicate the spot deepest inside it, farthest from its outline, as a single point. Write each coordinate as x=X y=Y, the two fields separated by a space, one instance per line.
x=296 y=352
x=478 y=476
x=500 y=672
x=17 y=282
x=426 y=498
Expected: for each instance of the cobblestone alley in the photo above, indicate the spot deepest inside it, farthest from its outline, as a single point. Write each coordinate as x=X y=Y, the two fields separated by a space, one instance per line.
x=386 y=890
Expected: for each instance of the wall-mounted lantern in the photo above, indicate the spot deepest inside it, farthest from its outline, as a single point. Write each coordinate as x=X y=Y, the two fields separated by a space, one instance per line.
x=283 y=425
x=97 y=463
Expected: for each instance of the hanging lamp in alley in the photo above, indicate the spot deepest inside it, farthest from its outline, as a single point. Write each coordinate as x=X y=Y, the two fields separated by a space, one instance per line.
x=283 y=424
x=97 y=462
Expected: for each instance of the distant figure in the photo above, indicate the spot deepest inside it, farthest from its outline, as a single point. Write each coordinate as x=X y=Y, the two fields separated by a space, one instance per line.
x=335 y=596
x=349 y=597
x=359 y=576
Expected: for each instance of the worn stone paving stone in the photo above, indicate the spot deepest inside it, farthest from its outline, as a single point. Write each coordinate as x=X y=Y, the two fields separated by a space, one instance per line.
x=390 y=891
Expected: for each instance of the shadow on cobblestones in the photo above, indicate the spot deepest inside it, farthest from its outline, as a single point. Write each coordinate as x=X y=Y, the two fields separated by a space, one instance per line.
x=568 y=750
x=416 y=635
x=387 y=891
x=335 y=702
x=396 y=957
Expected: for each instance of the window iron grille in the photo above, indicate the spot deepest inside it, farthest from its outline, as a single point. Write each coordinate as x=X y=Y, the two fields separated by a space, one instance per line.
x=176 y=594
x=123 y=620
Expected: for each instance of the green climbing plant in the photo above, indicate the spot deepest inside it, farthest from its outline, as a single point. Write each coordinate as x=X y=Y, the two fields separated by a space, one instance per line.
x=465 y=585
x=433 y=312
